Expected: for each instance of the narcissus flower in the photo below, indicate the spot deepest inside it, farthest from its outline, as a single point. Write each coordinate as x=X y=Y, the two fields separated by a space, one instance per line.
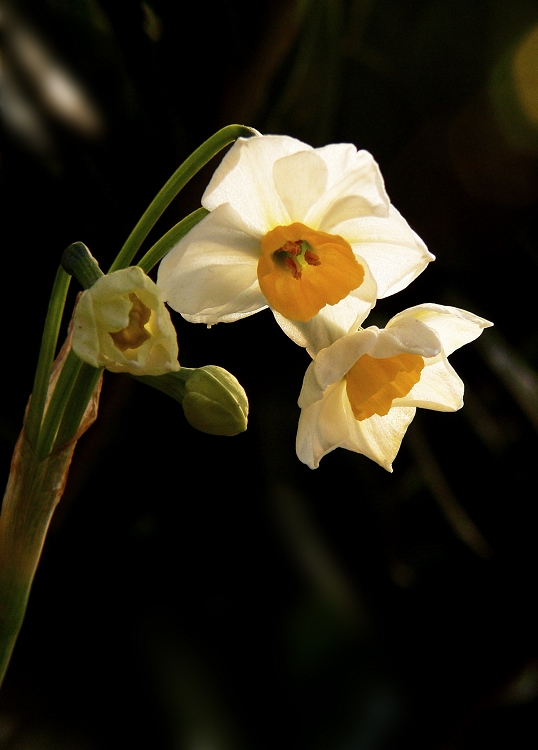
x=308 y=232
x=121 y=323
x=361 y=392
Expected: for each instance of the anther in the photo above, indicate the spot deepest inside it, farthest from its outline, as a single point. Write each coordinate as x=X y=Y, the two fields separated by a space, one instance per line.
x=291 y=265
x=312 y=258
x=292 y=248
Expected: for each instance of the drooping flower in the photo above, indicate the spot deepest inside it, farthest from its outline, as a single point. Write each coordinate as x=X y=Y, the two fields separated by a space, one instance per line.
x=310 y=233
x=121 y=323
x=361 y=392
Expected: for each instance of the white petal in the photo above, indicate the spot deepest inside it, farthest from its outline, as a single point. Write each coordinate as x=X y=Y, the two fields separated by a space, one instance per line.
x=408 y=335
x=211 y=274
x=454 y=327
x=440 y=388
x=311 y=391
x=344 y=209
x=394 y=253
x=300 y=180
x=354 y=187
x=246 y=302
x=329 y=423
x=323 y=426
x=332 y=363
x=86 y=333
x=244 y=179
x=380 y=438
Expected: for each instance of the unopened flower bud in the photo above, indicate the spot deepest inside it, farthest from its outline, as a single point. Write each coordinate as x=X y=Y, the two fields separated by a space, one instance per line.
x=215 y=402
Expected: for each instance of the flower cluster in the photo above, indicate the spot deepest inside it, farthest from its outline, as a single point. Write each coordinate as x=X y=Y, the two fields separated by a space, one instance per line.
x=311 y=234
x=308 y=232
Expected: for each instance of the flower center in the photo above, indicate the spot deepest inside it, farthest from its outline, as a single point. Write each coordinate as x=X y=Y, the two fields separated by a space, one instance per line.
x=372 y=384
x=294 y=255
x=301 y=270
x=134 y=334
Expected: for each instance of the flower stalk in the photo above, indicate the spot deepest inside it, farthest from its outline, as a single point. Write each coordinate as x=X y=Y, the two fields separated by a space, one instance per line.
x=168 y=240
x=177 y=181
x=213 y=400
x=34 y=488
x=66 y=391
x=46 y=355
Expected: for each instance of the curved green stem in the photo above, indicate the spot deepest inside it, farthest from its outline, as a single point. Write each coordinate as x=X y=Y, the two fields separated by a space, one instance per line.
x=46 y=355
x=167 y=241
x=181 y=176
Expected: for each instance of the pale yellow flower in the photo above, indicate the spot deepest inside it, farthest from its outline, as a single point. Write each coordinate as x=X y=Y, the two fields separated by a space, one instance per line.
x=361 y=392
x=121 y=323
x=308 y=232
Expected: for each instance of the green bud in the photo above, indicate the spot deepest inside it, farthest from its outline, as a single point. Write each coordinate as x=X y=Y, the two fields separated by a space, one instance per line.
x=215 y=402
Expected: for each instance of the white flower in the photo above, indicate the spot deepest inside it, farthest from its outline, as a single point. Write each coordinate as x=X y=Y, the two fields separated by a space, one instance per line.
x=361 y=392
x=121 y=323
x=308 y=232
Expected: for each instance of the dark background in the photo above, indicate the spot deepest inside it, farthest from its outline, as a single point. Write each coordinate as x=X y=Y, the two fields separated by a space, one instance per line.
x=206 y=593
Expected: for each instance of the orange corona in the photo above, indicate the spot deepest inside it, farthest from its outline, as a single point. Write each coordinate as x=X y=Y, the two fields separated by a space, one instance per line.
x=372 y=384
x=301 y=270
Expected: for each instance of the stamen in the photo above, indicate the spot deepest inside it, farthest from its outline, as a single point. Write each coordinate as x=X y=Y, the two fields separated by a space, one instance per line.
x=312 y=258
x=296 y=254
x=293 y=267
x=134 y=334
x=292 y=248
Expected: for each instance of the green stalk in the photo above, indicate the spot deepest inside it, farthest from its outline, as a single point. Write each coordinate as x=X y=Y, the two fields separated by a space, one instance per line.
x=77 y=380
x=46 y=355
x=60 y=397
x=34 y=488
x=83 y=388
x=45 y=447
x=171 y=383
x=167 y=241
x=179 y=179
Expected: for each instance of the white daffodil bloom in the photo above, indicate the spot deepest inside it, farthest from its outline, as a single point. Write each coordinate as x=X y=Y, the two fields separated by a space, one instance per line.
x=121 y=323
x=309 y=232
x=361 y=392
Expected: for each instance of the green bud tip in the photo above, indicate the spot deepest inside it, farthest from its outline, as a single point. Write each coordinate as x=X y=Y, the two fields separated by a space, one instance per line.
x=77 y=261
x=215 y=402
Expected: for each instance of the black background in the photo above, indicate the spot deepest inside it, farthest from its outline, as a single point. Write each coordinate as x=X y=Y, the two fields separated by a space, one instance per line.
x=202 y=592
